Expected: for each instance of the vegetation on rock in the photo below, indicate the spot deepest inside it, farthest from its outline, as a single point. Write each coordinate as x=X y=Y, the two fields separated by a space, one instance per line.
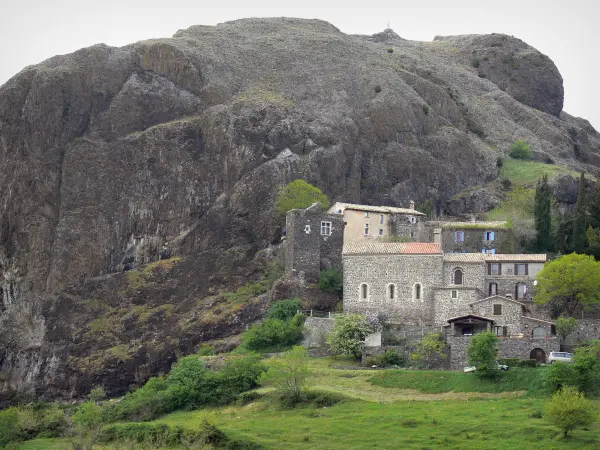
x=297 y=195
x=520 y=150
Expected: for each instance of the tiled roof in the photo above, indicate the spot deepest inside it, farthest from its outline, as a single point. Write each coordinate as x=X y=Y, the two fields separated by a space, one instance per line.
x=470 y=315
x=477 y=257
x=492 y=224
x=379 y=209
x=369 y=247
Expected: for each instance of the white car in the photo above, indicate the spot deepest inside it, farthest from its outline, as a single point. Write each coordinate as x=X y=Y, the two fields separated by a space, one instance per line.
x=473 y=368
x=560 y=356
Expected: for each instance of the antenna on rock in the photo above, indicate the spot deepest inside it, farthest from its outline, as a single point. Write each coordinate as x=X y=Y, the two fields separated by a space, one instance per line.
x=388 y=27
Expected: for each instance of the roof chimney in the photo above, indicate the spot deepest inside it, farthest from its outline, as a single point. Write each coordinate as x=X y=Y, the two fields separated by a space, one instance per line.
x=412 y=204
x=437 y=235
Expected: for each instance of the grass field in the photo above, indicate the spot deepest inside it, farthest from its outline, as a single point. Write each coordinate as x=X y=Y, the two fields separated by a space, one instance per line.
x=528 y=173
x=391 y=410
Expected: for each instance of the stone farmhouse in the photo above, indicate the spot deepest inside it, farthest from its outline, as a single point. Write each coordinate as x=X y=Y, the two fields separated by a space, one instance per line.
x=457 y=280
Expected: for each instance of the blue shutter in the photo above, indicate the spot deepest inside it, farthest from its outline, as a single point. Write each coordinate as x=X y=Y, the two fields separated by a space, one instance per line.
x=492 y=236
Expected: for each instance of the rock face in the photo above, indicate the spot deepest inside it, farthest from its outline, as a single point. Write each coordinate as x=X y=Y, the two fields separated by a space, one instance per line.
x=116 y=157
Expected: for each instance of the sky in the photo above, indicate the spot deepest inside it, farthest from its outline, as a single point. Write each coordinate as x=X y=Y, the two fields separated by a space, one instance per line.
x=566 y=31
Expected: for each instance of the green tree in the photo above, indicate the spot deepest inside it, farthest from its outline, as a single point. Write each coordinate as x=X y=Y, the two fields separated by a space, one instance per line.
x=426 y=208
x=87 y=425
x=430 y=351
x=563 y=242
x=483 y=354
x=97 y=394
x=593 y=206
x=9 y=426
x=586 y=363
x=299 y=194
x=284 y=309
x=289 y=374
x=564 y=327
x=579 y=224
x=569 y=282
x=569 y=409
x=593 y=238
x=349 y=334
x=520 y=150
x=331 y=280
x=543 y=214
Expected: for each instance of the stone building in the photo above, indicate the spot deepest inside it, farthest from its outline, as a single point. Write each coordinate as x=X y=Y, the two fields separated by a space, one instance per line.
x=470 y=237
x=460 y=293
x=314 y=242
x=378 y=222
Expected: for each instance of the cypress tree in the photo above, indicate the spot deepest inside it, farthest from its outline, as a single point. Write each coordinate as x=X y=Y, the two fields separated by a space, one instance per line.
x=542 y=214
x=594 y=208
x=579 y=224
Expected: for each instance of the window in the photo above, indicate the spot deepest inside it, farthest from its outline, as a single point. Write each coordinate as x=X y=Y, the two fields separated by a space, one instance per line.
x=391 y=291
x=498 y=331
x=488 y=251
x=381 y=232
x=326 y=228
x=454 y=294
x=381 y=219
x=493 y=289
x=520 y=291
x=538 y=333
x=459 y=236
x=458 y=276
x=497 y=310
x=521 y=269
x=412 y=234
x=307 y=229
x=366 y=213
x=494 y=269
x=366 y=229
x=489 y=236
x=417 y=292
x=364 y=291
x=412 y=219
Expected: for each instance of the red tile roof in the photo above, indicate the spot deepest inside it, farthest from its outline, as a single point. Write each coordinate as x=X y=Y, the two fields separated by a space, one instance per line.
x=369 y=247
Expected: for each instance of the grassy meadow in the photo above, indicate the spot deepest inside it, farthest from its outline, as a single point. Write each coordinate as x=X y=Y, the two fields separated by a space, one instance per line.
x=392 y=409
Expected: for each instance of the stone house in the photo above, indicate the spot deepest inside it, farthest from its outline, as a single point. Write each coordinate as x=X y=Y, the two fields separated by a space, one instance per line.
x=378 y=222
x=460 y=293
x=314 y=241
x=470 y=237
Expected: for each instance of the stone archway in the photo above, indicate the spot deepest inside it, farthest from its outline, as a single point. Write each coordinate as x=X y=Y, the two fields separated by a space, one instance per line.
x=539 y=355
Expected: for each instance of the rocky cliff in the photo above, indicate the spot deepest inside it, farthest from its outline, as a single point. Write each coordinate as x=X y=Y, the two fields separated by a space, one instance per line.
x=117 y=157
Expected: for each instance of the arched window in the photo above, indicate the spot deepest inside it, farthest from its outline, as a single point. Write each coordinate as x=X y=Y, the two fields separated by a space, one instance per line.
x=417 y=292
x=458 y=276
x=364 y=291
x=391 y=291
x=538 y=333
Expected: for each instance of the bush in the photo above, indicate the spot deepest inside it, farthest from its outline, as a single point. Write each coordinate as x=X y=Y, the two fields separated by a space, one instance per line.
x=506 y=183
x=377 y=89
x=289 y=375
x=560 y=375
x=299 y=194
x=206 y=350
x=430 y=351
x=9 y=426
x=97 y=394
x=586 y=363
x=274 y=334
x=510 y=362
x=331 y=280
x=569 y=409
x=248 y=397
x=284 y=309
x=520 y=150
x=348 y=335
x=483 y=354
x=386 y=359
x=53 y=422
x=528 y=363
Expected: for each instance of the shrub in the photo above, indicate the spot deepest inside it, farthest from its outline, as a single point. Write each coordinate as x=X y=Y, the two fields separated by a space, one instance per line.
x=331 y=280
x=483 y=354
x=528 y=363
x=499 y=162
x=390 y=50
x=284 y=309
x=569 y=409
x=510 y=362
x=377 y=89
x=88 y=423
x=559 y=375
x=9 y=426
x=426 y=110
x=274 y=334
x=373 y=360
x=97 y=394
x=289 y=375
x=299 y=194
x=393 y=358
x=506 y=183
x=53 y=422
x=348 y=335
x=248 y=397
x=475 y=62
x=520 y=150
x=586 y=363
x=149 y=433
x=430 y=351
x=206 y=350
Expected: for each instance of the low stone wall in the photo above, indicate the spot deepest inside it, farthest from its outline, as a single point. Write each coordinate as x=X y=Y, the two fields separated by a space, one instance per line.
x=317 y=329
x=508 y=348
x=588 y=329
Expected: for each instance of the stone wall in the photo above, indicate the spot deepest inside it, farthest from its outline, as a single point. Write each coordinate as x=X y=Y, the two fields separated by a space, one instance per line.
x=404 y=271
x=474 y=239
x=403 y=225
x=507 y=281
x=316 y=331
x=446 y=307
x=510 y=317
x=307 y=250
x=508 y=348
x=473 y=274
x=588 y=329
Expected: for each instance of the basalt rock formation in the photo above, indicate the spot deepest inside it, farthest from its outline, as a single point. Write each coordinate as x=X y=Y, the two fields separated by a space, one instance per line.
x=174 y=148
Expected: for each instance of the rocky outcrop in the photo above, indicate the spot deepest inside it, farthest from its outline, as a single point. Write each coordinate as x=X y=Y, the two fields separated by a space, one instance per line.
x=116 y=157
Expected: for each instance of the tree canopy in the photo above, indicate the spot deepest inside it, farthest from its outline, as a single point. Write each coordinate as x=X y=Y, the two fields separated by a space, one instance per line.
x=299 y=194
x=569 y=282
x=349 y=334
x=543 y=214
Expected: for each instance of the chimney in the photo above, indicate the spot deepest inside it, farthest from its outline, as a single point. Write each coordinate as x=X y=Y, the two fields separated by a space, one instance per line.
x=473 y=219
x=412 y=204
x=437 y=235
